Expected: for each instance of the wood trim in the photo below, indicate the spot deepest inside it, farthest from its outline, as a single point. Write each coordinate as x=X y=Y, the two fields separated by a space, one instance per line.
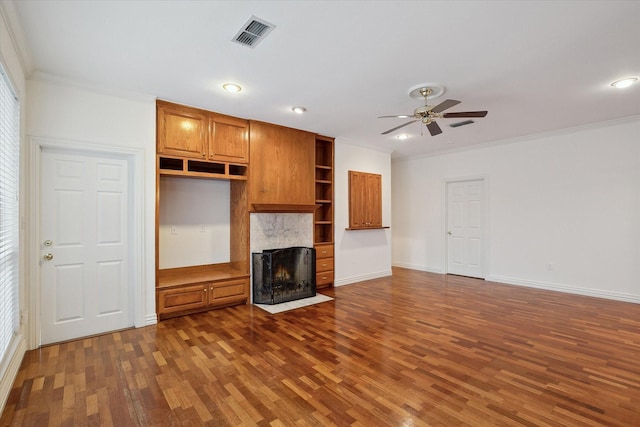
x=282 y=208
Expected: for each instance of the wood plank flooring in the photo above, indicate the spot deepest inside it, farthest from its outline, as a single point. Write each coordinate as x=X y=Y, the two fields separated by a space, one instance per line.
x=416 y=349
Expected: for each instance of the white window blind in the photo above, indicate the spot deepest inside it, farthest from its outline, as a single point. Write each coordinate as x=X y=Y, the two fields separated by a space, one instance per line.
x=9 y=164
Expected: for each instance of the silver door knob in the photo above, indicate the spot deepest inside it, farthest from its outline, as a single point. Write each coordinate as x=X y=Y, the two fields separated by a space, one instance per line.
x=449 y=233
x=48 y=257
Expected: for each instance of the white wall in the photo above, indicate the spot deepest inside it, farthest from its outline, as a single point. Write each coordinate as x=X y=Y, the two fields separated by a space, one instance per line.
x=361 y=254
x=194 y=223
x=78 y=115
x=570 y=200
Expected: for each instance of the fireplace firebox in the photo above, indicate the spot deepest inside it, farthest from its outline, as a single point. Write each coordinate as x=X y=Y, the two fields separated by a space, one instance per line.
x=281 y=275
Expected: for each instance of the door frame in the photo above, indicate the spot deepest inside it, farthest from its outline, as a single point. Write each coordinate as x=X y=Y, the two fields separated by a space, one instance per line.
x=135 y=159
x=486 y=234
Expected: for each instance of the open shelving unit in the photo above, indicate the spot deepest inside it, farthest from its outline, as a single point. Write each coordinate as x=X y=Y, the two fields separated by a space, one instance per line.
x=323 y=228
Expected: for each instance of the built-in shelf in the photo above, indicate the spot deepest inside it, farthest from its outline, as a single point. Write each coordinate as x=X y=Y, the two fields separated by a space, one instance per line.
x=171 y=277
x=173 y=166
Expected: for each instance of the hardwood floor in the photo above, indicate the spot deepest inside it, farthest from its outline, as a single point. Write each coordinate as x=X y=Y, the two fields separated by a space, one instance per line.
x=416 y=349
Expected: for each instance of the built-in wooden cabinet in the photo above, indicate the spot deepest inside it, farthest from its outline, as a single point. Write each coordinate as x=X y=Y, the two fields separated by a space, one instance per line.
x=282 y=169
x=193 y=143
x=193 y=133
x=181 y=131
x=365 y=200
x=228 y=139
x=324 y=265
x=270 y=168
x=191 y=289
x=323 y=230
x=323 y=216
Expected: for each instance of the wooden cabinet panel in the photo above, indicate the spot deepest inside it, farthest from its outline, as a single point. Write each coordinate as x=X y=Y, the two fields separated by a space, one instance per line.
x=231 y=291
x=228 y=139
x=181 y=131
x=325 y=264
x=182 y=299
x=365 y=200
x=324 y=279
x=282 y=165
x=324 y=251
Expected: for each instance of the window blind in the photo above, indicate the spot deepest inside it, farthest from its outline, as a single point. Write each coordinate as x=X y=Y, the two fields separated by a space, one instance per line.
x=9 y=167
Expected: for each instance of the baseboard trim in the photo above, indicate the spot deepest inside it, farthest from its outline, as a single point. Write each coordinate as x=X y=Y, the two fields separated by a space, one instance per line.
x=426 y=268
x=355 y=279
x=150 y=319
x=10 y=371
x=598 y=293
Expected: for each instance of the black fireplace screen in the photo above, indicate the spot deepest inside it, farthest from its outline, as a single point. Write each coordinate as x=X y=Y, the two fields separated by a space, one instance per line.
x=281 y=275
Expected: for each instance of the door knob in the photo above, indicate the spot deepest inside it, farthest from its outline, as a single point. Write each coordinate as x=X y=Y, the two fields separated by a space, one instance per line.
x=48 y=257
x=449 y=233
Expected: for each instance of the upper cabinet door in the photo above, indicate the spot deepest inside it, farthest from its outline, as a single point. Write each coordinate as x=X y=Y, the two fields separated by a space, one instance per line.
x=365 y=200
x=282 y=165
x=228 y=139
x=182 y=131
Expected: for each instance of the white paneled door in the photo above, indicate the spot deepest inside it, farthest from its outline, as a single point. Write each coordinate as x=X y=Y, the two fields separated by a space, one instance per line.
x=84 y=246
x=465 y=223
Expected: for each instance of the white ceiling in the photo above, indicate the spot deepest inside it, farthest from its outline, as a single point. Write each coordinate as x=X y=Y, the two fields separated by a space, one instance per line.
x=536 y=66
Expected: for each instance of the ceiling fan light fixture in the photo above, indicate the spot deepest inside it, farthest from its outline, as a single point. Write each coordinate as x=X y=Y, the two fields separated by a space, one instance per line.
x=403 y=136
x=232 y=87
x=299 y=110
x=418 y=91
x=624 y=83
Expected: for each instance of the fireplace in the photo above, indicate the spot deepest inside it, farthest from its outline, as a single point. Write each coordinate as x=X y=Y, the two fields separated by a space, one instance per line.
x=281 y=275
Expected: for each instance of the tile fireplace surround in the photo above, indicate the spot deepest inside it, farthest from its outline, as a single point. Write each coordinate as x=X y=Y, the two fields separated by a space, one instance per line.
x=280 y=230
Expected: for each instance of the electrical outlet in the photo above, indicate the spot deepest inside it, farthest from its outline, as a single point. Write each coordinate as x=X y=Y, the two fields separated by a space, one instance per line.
x=173 y=230
x=550 y=266
x=202 y=228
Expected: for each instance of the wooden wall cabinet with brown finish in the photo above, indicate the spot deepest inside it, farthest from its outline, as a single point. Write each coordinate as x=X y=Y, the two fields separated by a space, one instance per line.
x=228 y=139
x=365 y=200
x=181 y=131
x=193 y=133
x=282 y=169
x=193 y=143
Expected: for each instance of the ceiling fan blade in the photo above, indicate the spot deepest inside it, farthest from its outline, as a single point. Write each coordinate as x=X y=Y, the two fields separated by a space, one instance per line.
x=465 y=114
x=434 y=129
x=447 y=103
x=398 y=127
x=398 y=116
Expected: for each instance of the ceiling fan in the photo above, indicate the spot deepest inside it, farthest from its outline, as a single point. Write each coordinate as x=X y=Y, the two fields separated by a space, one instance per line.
x=427 y=113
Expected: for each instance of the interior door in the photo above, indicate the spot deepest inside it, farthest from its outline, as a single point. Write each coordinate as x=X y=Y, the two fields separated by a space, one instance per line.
x=465 y=223
x=84 y=221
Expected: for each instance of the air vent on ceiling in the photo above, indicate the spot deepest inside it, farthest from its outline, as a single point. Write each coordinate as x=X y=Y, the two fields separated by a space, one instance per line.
x=466 y=122
x=252 y=32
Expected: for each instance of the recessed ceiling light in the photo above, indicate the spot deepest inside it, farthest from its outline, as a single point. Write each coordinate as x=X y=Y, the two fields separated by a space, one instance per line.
x=403 y=136
x=621 y=84
x=232 y=87
x=299 y=110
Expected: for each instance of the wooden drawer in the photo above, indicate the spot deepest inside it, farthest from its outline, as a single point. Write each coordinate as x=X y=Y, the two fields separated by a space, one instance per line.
x=324 y=251
x=324 y=278
x=228 y=291
x=181 y=299
x=324 y=264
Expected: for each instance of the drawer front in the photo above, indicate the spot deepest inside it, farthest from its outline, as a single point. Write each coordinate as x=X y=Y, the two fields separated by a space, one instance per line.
x=231 y=290
x=324 y=278
x=184 y=298
x=324 y=251
x=324 y=264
